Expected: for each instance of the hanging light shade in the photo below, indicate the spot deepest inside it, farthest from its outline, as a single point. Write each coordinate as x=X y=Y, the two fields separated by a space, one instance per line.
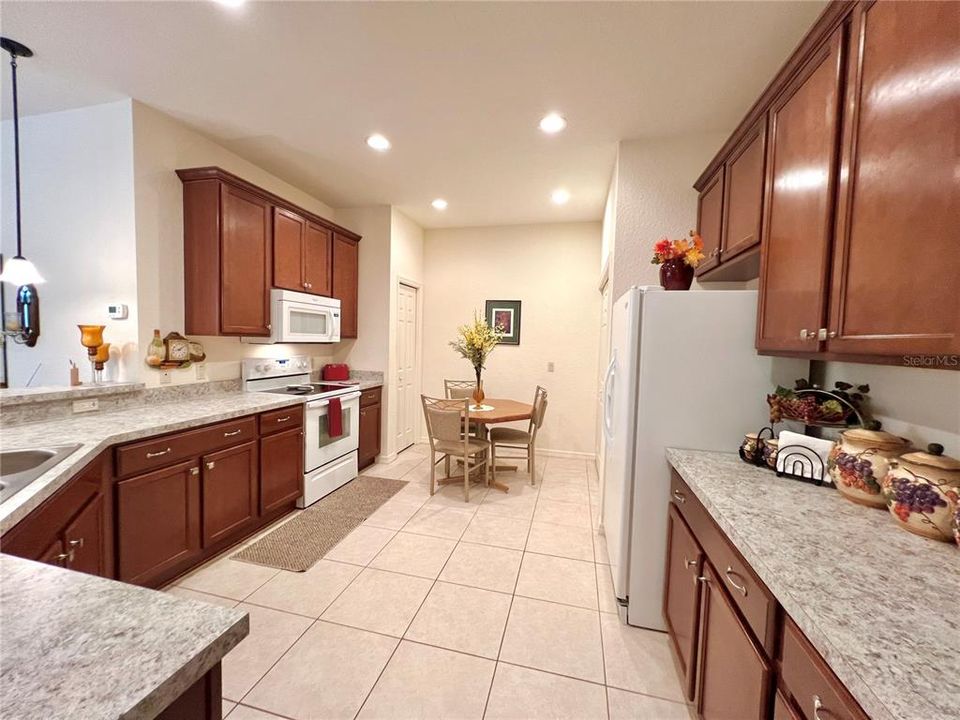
x=18 y=270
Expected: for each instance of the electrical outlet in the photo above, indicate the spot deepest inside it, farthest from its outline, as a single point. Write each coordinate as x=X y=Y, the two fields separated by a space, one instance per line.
x=82 y=406
x=165 y=377
x=550 y=366
x=201 y=371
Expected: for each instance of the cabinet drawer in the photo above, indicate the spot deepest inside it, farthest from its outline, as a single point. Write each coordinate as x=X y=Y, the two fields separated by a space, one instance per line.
x=813 y=686
x=751 y=597
x=370 y=397
x=286 y=418
x=170 y=449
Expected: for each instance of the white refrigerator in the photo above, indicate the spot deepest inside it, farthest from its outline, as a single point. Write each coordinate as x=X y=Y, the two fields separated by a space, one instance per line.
x=683 y=373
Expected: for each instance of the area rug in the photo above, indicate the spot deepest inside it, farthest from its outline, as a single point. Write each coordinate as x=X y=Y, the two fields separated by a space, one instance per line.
x=300 y=542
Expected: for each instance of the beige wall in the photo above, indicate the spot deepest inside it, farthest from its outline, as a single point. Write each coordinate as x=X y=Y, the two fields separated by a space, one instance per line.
x=551 y=269
x=160 y=146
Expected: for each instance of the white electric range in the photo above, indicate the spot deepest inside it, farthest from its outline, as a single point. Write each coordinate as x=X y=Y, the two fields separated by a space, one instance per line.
x=328 y=462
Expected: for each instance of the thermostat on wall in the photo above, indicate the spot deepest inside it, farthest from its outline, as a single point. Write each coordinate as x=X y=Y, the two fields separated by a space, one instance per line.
x=117 y=311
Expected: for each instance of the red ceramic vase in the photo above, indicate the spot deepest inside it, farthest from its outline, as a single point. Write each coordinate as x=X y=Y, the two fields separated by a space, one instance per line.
x=675 y=274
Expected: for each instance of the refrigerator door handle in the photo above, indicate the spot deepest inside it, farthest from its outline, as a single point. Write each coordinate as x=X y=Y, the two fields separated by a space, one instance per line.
x=608 y=398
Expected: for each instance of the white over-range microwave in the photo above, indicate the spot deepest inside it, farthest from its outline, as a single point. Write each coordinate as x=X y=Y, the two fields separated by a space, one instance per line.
x=297 y=317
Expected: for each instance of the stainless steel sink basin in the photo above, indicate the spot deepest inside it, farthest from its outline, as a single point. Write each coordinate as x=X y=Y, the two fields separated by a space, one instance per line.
x=19 y=468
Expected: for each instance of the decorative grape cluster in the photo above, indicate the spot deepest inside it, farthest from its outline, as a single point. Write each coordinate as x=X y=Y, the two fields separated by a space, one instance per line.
x=857 y=473
x=912 y=497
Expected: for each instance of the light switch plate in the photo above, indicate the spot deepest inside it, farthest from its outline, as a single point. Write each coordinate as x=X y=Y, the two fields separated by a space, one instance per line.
x=550 y=366
x=201 y=371
x=165 y=377
x=82 y=406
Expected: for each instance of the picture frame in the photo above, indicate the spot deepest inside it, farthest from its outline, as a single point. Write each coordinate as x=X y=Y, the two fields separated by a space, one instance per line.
x=505 y=313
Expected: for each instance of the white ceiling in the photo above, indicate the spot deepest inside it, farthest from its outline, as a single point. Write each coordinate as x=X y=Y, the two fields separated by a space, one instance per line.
x=295 y=87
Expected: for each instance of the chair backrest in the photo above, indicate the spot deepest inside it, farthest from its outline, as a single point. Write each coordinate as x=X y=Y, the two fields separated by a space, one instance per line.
x=539 y=410
x=447 y=419
x=459 y=388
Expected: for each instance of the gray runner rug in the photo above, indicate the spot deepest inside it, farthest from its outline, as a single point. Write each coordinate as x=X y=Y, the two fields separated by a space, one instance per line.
x=300 y=542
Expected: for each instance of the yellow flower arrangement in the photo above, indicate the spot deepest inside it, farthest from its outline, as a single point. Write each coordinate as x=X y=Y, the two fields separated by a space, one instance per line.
x=475 y=341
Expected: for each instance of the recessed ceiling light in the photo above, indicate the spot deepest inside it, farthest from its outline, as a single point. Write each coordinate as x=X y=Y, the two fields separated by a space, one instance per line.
x=560 y=196
x=378 y=142
x=230 y=3
x=553 y=123
x=439 y=204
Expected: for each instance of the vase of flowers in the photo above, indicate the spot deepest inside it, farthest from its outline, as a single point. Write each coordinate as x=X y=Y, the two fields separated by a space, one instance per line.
x=677 y=260
x=475 y=341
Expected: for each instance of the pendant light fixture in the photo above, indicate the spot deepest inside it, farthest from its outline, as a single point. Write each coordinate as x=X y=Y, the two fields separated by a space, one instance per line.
x=18 y=270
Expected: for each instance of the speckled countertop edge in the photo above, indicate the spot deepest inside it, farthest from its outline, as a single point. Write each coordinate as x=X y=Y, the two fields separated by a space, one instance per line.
x=79 y=646
x=97 y=432
x=23 y=396
x=882 y=606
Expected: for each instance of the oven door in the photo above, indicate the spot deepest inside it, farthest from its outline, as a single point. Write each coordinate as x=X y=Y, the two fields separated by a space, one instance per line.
x=300 y=322
x=320 y=448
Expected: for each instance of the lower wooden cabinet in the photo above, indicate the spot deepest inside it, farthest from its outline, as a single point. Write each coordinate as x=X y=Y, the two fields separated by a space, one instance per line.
x=158 y=523
x=370 y=416
x=229 y=480
x=681 y=599
x=281 y=469
x=83 y=539
x=734 y=678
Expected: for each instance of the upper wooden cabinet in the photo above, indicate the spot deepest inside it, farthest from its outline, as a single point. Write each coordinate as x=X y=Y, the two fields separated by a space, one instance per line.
x=240 y=240
x=710 y=221
x=743 y=194
x=301 y=254
x=346 y=260
x=804 y=133
x=896 y=256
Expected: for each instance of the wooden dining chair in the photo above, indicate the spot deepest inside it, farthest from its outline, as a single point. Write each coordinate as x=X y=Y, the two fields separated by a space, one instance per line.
x=522 y=439
x=448 y=420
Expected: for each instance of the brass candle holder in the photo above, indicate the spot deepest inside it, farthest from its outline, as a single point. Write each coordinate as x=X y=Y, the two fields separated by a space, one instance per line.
x=91 y=337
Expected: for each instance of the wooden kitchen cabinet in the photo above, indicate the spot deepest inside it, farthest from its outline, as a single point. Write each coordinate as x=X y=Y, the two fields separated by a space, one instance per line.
x=798 y=207
x=72 y=528
x=229 y=480
x=301 y=254
x=681 y=597
x=896 y=257
x=734 y=679
x=346 y=257
x=743 y=194
x=158 y=523
x=710 y=221
x=240 y=240
x=281 y=469
x=370 y=417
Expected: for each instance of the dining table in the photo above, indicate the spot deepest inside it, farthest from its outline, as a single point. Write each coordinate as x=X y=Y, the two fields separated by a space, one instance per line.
x=496 y=411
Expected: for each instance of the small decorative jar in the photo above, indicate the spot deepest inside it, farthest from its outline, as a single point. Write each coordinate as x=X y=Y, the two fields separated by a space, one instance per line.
x=922 y=490
x=769 y=452
x=749 y=448
x=860 y=460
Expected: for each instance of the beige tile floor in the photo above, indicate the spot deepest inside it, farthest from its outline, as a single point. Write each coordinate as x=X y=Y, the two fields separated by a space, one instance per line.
x=436 y=608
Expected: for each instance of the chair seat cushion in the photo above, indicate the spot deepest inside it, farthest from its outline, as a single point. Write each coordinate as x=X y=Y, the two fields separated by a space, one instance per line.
x=452 y=447
x=511 y=435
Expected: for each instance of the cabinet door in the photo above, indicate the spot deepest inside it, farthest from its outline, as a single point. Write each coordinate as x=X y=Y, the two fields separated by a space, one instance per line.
x=83 y=539
x=896 y=254
x=281 y=469
x=245 y=262
x=345 y=269
x=369 y=440
x=288 y=236
x=316 y=259
x=734 y=676
x=229 y=491
x=158 y=523
x=798 y=204
x=710 y=221
x=681 y=594
x=783 y=709
x=743 y=194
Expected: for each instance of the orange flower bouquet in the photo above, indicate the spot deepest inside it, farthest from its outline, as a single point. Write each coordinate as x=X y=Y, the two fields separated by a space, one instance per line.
x=677 y=260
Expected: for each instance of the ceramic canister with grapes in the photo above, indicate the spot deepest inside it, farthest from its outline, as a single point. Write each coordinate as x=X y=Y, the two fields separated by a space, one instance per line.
x=922 y=490
x=860 y=460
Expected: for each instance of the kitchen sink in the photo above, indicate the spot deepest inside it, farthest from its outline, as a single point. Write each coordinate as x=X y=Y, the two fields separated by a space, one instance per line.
x=19 y=468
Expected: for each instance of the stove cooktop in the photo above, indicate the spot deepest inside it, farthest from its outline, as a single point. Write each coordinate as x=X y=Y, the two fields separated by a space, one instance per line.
x=316 y=389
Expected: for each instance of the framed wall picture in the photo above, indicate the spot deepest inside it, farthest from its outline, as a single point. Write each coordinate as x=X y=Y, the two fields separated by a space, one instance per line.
x=505 y=315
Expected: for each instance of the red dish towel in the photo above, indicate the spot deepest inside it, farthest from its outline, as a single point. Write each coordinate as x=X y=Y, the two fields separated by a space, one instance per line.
x=334 y=418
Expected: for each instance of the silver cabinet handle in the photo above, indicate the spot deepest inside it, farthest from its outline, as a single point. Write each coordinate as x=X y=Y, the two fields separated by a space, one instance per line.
x=63 y=558
x=832 y=334
x=194 y=471
x=211 y=465
x=235 y=432
x=730 y=573
x=679 y=496
x=817 y=707
x=689 y=563
x=283 y=419
x=78 y=543
x=804 y=333
x=702 y=579
x=159 y=454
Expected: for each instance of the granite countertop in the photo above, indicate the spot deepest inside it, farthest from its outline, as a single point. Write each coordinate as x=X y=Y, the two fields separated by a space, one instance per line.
x=370 y=384
x=881 y=605
x=95 y=432
x=79 y=646
x=22 y=396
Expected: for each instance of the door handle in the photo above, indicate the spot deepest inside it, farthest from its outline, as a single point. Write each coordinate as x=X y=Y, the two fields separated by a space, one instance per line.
x=234 y=432
x=194 y=471
x=689 y=563
x=731 y=574
x=78 y=543
x=607 y=398
x=159 y=454
x=283 y=419
x=211 y=465
x=679 y=497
